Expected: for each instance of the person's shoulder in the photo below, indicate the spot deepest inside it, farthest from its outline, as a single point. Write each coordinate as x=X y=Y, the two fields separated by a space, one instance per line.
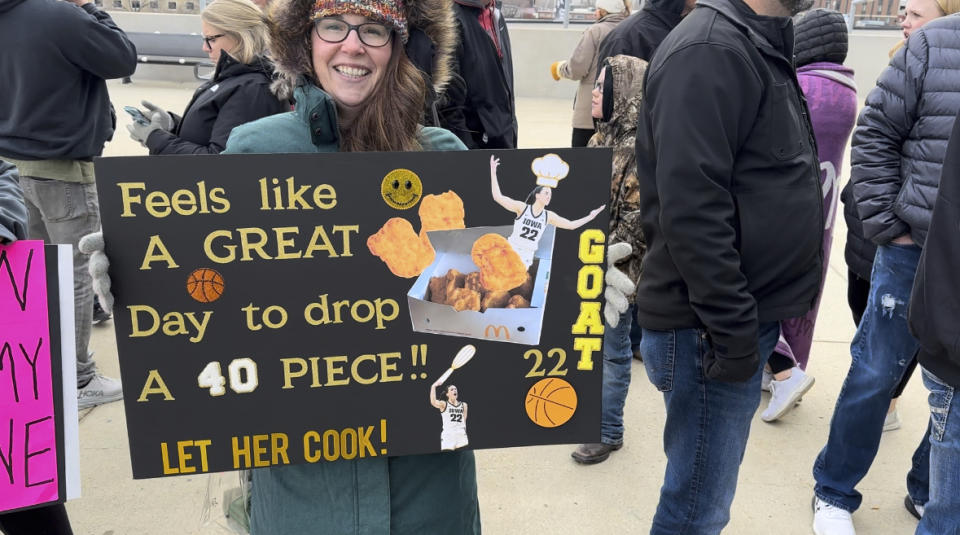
x=282 y=132
x=434 y=138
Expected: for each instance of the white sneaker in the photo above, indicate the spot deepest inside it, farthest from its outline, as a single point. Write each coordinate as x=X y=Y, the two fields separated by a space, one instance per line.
x=765 y=380
x=99 y=390
x=785 y=394
x=892 y=421
x=830 y=520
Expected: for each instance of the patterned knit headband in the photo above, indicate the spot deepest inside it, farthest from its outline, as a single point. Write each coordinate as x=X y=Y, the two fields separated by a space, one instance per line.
x=390 y=12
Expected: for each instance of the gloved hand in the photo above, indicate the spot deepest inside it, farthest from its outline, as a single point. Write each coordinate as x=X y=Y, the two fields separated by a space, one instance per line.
x=619 y=285
x=159 y=116
x=140 y=132
x=730 y=370
x=92 y=244
x=555 y=69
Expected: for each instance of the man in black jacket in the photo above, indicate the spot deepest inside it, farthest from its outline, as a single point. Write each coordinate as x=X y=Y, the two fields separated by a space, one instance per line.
x=732 y=213
x=55 y=117
x=641 y=34
x=933 y=317
x=479 y=104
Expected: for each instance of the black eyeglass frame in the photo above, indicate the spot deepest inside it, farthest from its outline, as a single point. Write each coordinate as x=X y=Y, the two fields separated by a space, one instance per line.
x=211 y=39
x=352 y=28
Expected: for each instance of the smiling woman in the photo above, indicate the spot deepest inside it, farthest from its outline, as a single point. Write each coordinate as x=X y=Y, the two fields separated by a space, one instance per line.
x=356 y=90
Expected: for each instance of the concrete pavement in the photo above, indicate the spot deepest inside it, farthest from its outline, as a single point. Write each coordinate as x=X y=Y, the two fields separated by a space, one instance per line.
x=540 y=489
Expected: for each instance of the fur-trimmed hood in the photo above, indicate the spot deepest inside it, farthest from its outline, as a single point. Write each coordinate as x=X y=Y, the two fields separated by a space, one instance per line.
x=290 y=27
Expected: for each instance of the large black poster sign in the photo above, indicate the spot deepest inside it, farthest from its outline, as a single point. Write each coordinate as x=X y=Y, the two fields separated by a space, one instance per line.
x=282 y=309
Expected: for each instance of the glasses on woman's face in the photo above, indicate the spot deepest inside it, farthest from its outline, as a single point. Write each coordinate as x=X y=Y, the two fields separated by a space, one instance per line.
x=335 y=31
x=209 y=40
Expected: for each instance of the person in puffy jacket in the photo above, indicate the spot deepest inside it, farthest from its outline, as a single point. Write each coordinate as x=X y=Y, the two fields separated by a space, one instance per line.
x=236 y=38
x=897 y=153
x=582 y=66
x=859 y=251
x=831 y=93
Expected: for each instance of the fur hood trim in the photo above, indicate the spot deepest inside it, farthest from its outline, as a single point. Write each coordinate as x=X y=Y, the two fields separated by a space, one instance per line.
x=290 y=27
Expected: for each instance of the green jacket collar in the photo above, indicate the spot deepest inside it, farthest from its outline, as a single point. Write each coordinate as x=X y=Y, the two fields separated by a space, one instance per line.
x=318 y=110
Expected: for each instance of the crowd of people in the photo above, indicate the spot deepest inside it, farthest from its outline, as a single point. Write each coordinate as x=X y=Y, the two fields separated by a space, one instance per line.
x=728 y=120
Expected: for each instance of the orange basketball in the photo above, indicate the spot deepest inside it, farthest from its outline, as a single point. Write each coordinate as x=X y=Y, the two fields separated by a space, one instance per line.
x=551 y=402
x=205 y=285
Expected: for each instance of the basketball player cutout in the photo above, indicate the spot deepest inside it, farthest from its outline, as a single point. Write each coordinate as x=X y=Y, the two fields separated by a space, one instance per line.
x=453 y=412
x=532 y=216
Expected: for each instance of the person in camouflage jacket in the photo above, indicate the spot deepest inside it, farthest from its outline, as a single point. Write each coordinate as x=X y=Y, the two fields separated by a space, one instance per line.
x=617 y=128
x=616 y=103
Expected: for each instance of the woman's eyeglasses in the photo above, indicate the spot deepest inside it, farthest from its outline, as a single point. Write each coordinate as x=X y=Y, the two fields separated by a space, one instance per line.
x=335 y=31
x=209 y=40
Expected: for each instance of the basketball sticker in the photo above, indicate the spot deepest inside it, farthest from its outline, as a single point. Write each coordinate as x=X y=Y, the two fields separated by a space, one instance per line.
x=551 y=402
x=205 y=285
x=401 y=189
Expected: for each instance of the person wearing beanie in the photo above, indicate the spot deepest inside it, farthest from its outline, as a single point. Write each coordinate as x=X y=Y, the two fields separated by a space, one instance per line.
x=819 y=52
x=354 y=90
x=896 y=158
x=582 y=65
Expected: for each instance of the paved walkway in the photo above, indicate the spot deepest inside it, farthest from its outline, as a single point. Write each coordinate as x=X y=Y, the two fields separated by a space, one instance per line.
x=541 y=490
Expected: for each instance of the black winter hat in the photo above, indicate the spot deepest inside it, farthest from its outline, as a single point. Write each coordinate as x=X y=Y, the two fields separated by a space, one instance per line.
x=820 y=35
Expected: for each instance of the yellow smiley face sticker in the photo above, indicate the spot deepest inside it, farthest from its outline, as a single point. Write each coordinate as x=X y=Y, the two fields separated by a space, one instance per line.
x=401 y=189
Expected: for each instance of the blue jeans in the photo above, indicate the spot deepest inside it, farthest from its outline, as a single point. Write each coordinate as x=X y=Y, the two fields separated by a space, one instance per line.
x=706 y=431
x=942 y=512
x=617 y=358
x=880 y=353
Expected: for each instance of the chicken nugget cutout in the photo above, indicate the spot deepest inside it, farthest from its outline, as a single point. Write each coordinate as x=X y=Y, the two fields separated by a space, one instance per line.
x=404 y=252
x=501 y=268
x=518 y=301
x=441 y=212
x=494 y=300
x=472 y=282
x=464 y=299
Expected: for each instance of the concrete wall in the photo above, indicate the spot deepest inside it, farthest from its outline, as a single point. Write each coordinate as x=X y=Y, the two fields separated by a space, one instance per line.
x=535 y=47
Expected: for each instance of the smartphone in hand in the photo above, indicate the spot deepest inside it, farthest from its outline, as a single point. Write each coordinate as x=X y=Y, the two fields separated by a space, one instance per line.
x=137 y=115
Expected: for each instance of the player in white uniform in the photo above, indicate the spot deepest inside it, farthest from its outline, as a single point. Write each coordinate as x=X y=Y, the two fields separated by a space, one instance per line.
x=454 y=415
x=532 y=216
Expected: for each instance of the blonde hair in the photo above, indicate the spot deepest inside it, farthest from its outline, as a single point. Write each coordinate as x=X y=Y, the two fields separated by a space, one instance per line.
x=949 y=7
x=244 y=22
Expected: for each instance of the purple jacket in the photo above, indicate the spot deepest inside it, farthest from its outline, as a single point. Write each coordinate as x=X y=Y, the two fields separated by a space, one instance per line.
x=832 y=100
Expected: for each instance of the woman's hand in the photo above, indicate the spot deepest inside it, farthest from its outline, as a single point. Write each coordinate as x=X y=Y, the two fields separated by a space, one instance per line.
x=494 y=163
x=903 y=240
x=159 y=116
x=595 y=211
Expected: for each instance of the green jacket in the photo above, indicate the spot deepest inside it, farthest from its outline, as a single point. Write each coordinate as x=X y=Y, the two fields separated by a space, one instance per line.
x=413 y=495
x=312 y=127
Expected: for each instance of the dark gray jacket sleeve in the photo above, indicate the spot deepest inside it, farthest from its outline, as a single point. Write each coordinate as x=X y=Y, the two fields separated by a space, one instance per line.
x=13 y=213
x=876 y=151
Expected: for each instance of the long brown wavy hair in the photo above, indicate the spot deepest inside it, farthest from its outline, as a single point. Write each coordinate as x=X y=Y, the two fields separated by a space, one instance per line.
x=390 y=118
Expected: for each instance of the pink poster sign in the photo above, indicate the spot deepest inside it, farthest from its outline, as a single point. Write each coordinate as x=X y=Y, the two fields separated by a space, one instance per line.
x=28 y=436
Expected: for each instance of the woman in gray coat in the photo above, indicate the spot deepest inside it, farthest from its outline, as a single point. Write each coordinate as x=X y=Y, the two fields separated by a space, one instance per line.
x=582 y=66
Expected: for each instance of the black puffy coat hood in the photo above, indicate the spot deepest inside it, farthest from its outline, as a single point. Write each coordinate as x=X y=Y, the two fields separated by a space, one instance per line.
x=820 y=35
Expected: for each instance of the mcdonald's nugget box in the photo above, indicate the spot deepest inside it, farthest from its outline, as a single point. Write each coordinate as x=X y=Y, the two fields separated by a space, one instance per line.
x=517 y=325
